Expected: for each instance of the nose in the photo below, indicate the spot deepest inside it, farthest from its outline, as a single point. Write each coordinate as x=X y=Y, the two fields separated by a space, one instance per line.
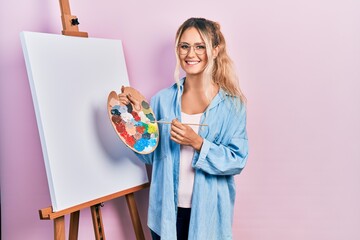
x=191 y=51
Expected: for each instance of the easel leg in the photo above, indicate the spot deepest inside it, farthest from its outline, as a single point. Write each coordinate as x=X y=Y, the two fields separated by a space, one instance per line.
x=135 y=216
x=59 y=228
x=74 y=225
x=97 y=222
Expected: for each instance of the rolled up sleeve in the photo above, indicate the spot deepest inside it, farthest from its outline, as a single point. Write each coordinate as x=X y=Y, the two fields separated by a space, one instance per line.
x=228 y=157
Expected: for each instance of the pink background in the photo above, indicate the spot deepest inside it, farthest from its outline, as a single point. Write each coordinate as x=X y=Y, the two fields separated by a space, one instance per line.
x=299 y=65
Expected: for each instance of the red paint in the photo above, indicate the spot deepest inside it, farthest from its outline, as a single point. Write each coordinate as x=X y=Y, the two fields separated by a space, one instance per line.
x=136 y=116
x=120 y=127
x=140 y=129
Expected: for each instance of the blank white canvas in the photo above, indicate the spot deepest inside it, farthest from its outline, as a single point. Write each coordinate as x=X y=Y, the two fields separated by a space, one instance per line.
x=70 y=79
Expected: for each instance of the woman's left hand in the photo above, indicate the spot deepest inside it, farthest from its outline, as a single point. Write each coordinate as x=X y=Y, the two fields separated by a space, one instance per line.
x=185 y=135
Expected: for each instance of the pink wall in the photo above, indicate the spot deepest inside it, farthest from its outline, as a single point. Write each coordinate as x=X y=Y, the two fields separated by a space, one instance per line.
x=299 y=67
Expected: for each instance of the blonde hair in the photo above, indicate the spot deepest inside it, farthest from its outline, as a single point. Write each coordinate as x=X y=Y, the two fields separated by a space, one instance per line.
x=219 y=69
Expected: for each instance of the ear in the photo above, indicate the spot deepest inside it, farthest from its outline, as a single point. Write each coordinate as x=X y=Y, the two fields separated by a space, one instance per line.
x=215 y=52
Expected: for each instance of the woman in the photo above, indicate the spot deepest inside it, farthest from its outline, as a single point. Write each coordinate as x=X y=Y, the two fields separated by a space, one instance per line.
x=192 y=189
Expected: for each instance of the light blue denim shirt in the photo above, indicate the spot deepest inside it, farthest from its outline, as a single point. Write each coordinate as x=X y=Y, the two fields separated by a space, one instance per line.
x=223 y=154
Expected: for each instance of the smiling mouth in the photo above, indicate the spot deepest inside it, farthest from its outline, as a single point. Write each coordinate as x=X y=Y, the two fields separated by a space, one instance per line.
x=192 y=62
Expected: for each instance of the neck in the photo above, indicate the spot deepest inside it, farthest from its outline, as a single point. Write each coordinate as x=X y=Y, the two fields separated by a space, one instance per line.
x=197 y=96
x=195 y=85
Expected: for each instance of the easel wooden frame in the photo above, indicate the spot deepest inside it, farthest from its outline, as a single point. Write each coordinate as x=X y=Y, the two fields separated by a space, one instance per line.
x=70 y=28
x=59 y=216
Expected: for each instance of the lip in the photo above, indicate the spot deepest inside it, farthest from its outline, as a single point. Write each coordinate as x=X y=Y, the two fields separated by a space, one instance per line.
x=192 y=62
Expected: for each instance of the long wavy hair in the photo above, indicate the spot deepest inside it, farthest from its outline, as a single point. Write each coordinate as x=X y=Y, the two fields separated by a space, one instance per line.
x=219 y=69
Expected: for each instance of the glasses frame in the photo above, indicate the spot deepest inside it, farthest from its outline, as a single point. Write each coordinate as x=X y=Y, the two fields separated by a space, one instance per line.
x=193 y=46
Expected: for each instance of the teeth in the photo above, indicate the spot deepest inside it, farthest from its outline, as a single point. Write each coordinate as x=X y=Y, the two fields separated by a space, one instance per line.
x=191 y=63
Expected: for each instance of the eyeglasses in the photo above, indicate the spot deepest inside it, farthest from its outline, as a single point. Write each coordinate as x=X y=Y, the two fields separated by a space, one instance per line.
x=184 y=48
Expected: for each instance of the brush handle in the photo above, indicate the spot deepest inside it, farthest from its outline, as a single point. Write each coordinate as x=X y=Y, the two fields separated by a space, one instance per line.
x=195 y=124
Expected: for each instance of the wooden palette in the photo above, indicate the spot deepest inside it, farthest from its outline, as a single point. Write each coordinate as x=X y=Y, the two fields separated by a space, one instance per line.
x=135 y=122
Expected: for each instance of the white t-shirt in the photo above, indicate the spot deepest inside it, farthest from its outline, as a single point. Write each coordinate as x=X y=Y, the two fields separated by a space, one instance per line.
x=186 y=171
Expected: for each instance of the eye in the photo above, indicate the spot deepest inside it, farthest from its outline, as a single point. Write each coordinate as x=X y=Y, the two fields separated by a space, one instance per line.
x=184 y=46
x=200 y=47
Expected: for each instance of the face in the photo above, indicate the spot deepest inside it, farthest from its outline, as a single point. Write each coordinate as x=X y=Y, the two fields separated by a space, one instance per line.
x=192 y=63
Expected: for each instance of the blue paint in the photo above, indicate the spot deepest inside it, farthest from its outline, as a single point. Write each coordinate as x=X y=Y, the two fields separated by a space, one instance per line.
x=115 y=112
x=150 y=116
x=141 y=144
x=129 y=108
x=152 y=142
x=146 y=136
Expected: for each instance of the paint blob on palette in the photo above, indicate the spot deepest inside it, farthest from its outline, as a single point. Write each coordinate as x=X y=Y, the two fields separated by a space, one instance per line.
x=134 y=122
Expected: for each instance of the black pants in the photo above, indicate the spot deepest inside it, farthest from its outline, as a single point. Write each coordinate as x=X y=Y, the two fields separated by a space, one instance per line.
x=182 y=225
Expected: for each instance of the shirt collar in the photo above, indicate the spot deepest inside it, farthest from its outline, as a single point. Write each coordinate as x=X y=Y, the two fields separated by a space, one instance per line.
x=219 y=97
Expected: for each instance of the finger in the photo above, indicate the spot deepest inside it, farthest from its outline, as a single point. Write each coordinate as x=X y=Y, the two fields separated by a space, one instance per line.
x=175 y=126
x=122 y=96
x=173 y=133
x=176 y=123
x=174 y=139
x=135 y=102
x=132 y=99
x=173 y=136
x=123 y=99
x=177 y=134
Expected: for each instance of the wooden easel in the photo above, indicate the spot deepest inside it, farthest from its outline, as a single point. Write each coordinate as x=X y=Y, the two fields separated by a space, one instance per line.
x=69 y=22
x=59 y=216
x=70 y=28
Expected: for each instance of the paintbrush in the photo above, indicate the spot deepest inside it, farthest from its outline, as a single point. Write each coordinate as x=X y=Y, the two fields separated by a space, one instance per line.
x=194 y=124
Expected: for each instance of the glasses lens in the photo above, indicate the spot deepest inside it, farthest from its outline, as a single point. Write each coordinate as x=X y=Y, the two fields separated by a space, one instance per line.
x=185 y=48
x=200 y=49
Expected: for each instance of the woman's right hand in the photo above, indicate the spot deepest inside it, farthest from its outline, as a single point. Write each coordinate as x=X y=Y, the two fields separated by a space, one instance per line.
x=126 y=98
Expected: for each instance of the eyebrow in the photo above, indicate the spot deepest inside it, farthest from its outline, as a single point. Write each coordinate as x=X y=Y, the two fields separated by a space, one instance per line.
x=197 y=43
